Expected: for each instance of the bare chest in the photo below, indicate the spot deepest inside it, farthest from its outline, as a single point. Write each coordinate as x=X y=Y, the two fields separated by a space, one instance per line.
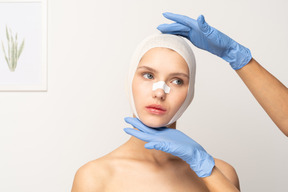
x=131 y=179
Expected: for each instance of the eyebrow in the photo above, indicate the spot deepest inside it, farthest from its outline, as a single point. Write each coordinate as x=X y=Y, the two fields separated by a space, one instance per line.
x=171 y=74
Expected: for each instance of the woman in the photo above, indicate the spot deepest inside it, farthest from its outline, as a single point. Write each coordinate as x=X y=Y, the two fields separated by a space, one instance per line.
x=160 y=87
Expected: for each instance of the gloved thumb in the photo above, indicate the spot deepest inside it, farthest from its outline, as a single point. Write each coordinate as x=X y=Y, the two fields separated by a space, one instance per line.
x=204 y=27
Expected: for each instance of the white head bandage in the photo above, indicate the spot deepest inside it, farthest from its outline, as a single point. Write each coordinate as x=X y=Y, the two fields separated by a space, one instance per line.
x=176 y=43
x=161 y=85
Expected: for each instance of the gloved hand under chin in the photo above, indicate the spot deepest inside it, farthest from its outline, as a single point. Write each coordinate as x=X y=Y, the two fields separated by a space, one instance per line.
x=208 y=38
x=174 y=142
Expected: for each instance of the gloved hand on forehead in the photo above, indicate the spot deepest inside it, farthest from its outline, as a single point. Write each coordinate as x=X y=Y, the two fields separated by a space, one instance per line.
x=174 y=142
x=203 y=36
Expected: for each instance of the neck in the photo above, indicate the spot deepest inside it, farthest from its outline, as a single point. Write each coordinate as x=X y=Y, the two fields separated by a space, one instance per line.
x=138 y=151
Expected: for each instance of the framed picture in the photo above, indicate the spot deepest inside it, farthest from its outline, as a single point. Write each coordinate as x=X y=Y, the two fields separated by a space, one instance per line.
x=23 y=49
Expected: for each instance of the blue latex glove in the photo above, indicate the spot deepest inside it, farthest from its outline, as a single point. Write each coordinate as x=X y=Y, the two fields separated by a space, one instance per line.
x=208 y=38
x=174 y=142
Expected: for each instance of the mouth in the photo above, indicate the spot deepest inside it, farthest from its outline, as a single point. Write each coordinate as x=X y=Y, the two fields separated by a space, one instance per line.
x=156 y=109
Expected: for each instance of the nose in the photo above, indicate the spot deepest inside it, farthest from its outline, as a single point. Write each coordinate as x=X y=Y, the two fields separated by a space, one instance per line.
x=159 y=94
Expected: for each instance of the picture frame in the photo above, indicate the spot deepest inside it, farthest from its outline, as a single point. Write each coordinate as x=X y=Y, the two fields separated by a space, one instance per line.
x=23 y=49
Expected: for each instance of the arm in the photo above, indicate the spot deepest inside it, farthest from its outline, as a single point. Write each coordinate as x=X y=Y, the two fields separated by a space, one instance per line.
x=218 y=182
x=271 y=94
x=268 y=91
x=223 y=176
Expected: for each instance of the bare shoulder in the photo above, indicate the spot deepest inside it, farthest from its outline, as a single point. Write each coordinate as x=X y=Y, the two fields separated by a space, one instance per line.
x=228 y=171
x=91 y=177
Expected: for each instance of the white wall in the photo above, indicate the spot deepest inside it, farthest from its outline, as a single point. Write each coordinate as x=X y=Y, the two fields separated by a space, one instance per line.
x=46 y=136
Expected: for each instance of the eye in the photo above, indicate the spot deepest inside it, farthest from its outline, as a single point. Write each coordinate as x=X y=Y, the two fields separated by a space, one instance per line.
x=148 y=75
x=178 y=81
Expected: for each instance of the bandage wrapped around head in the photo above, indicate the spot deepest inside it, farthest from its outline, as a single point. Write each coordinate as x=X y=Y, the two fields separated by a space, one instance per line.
x=176 y=43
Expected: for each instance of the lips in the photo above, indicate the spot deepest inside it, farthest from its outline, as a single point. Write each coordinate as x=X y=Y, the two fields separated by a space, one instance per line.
x=156 y=109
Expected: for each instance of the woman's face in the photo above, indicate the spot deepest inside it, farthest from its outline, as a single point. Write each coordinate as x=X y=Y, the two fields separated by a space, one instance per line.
x=156 y=108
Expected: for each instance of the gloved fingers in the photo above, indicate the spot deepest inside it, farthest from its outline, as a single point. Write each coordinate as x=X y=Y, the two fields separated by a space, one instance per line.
x=182 y=33
x=135 y=122
x=173 y=27
x=151 y=145
x=140 y=135
x=205 y=28
x=160 y=145
x=182 y=19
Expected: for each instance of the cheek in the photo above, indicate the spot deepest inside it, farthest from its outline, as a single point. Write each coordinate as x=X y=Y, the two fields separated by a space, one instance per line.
x=179 y=98
x=135 y=89
x=140 y=90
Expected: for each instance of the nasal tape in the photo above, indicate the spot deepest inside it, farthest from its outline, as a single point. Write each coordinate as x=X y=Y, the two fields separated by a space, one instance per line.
x=161 y=85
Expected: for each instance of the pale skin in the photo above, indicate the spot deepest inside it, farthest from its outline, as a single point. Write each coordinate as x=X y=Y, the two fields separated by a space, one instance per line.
x=132 y=167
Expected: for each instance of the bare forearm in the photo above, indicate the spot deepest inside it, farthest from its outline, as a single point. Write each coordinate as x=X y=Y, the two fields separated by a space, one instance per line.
x=218 y=182
x=271 y=94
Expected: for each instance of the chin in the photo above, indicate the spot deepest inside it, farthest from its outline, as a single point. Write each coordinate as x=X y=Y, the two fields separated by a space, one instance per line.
x=154 y=122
